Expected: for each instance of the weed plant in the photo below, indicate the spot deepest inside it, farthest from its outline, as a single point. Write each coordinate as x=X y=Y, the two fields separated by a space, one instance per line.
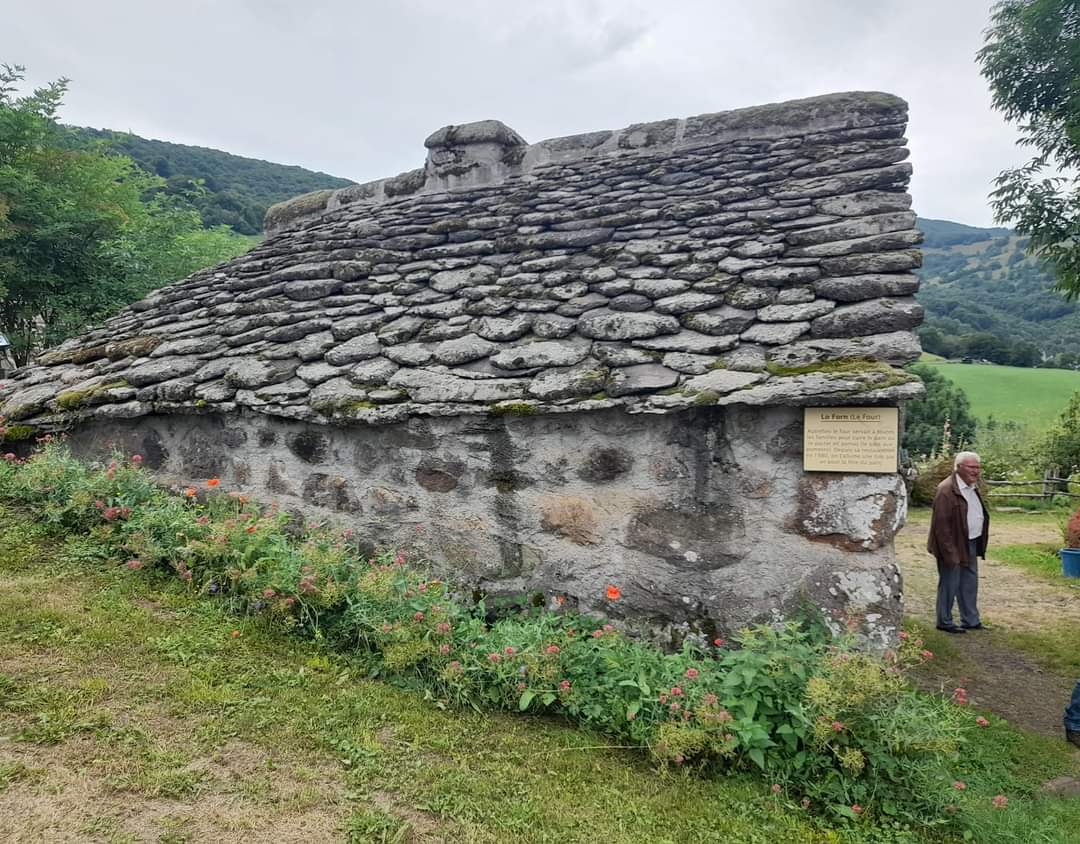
x=833 y=729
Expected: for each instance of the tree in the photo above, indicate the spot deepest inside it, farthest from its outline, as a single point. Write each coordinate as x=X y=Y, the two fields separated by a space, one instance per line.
x=83 y=231
x=1032 y=61
x=1062 y=444
x=924 y=419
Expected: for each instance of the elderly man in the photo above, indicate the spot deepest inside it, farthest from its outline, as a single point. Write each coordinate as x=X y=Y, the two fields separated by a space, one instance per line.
x=959 y=529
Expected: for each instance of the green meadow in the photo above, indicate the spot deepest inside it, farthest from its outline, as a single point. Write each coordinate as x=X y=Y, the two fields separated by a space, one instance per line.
x=1033 y=398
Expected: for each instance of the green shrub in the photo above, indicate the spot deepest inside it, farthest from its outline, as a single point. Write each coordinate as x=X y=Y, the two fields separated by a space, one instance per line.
x=835 y=727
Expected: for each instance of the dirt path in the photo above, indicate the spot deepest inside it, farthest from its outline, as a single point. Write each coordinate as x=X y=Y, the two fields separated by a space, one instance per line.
x=997 y=675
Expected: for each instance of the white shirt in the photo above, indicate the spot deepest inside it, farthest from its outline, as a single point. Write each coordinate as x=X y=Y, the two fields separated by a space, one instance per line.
x=974 y=509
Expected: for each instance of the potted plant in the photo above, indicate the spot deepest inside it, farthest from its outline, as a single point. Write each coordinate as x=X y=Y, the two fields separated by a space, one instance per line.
x=1070 y=555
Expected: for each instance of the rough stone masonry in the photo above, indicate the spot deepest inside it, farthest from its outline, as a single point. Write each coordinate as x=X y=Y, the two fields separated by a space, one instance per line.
x=574 y=363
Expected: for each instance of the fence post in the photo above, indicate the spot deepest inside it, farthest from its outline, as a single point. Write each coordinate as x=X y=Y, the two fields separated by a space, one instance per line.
x=1049 y=486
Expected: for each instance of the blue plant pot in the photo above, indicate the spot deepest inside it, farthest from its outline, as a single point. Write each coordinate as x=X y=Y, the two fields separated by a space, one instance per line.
x=1070 y=562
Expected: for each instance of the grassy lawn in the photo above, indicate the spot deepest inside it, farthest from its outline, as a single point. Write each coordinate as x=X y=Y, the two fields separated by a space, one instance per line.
x=1033 y=398
x=132 y=709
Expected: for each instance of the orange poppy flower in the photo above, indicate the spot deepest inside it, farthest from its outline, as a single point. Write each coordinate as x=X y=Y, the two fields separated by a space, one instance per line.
x=213 y=482
x=614 y=593
x=191 y=492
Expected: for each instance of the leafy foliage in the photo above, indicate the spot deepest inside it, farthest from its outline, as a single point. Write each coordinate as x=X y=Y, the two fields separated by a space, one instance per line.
x=1062 y=443
x=840 y=729
x=925 y=418
x=1033 y=66
x=987 y=300
x=82 y=232
x=227 y=190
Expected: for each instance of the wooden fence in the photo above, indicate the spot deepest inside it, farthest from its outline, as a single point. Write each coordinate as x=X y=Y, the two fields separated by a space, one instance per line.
x=1052 y=484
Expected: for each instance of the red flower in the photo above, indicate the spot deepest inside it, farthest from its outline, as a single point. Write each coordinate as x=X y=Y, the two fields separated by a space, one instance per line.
x=959 y=786
x=903 y=634
x=718 y=642
x=269 y=593
x=136 y=459
x=191 y=492
x=442 y=627
x=213 y=482
x=250 y=529
x=927 y=654
x=614 y=593
x=691 y=673
x=551 y=649
x=509 y=650
x=494 y=657
x=982 y=722
x=236 y=634
x=444 y=649
x=676 y=691
x=597 y=634
x=1000 y=801
x=418 y=616
x=564 y=686
x=856 y=808
x=838 y=726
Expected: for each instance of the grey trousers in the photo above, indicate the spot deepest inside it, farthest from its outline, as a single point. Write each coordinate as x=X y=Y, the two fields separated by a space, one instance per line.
x=959 y=585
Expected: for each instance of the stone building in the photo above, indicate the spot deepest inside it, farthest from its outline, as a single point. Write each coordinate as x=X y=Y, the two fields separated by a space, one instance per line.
x=574 y=363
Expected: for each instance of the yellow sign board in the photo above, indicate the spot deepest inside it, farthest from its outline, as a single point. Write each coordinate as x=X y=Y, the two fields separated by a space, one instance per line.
x=850 y=439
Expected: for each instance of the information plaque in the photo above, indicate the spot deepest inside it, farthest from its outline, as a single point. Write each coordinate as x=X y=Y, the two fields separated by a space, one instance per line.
x=850 y=439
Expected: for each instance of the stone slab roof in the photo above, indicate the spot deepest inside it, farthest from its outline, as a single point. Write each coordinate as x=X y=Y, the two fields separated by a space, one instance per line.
x=759 y=256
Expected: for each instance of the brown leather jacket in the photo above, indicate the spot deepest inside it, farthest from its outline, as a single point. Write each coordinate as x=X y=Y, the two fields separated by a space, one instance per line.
x=948 y=525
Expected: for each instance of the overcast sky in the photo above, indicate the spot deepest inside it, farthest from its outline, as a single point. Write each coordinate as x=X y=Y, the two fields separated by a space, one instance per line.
x=353 y=88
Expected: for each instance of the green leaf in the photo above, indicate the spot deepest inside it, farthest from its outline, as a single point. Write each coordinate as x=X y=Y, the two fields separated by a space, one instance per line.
x=548 y=698
x=644 y=686
x=525 y=699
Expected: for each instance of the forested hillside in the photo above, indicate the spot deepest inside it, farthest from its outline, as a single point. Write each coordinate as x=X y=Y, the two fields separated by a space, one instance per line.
x=986 y=299
x=236 y=191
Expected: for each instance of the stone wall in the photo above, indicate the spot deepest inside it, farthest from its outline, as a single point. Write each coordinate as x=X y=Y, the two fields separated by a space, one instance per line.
x=656 y=296
x=704 y=519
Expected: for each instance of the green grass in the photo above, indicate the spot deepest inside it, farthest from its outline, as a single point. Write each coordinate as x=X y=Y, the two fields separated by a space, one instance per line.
x=1040 y=560
x=138 y=682
x=1033 y=398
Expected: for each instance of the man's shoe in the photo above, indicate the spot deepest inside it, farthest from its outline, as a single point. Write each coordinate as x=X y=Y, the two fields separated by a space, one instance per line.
x=950 y=629
x=1073 y=737
x=979 y=626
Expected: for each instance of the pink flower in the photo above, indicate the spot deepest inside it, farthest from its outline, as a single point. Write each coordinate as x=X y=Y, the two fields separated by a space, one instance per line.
x=597 y=634
x=136 y=459
x=134 y=565
x=9 y=457
x=776 y=789
x=509 y=650
x=444 y=649
x=268 y=593
x=399 y=558
x=608 y=628
x=495 y=657
x=386 y=628
x=418 y=616
x=679 y=759
x=442 y=627
x=903 y=634
x=838 y=726
x=959 y=786
x=521 y=687
x=927 y=654
x=551 y=649
x=856 y=808
x=564 y=686
x=663 y=697
x=676 y=691
x=723 y=715
x=1000 y=801
x=709 y=699
x=718 y=642
x=982 y=722
x=110 y=514
x=691 y=673
x=675 y=706
x=454 y=666
x=203 y=520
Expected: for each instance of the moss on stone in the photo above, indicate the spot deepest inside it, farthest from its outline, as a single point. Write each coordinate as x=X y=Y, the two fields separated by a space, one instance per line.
x=706 y=398
x=844 y=366
x=513 y=408
x=18 y=433
x=71 y=399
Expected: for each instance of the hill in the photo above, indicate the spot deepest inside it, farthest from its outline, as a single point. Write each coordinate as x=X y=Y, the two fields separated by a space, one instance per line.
x=985 y=298
x=1032 y=398
x=236 y=191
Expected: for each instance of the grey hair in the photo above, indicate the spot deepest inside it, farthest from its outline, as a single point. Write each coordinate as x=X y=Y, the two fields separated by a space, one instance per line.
x=965 y=455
